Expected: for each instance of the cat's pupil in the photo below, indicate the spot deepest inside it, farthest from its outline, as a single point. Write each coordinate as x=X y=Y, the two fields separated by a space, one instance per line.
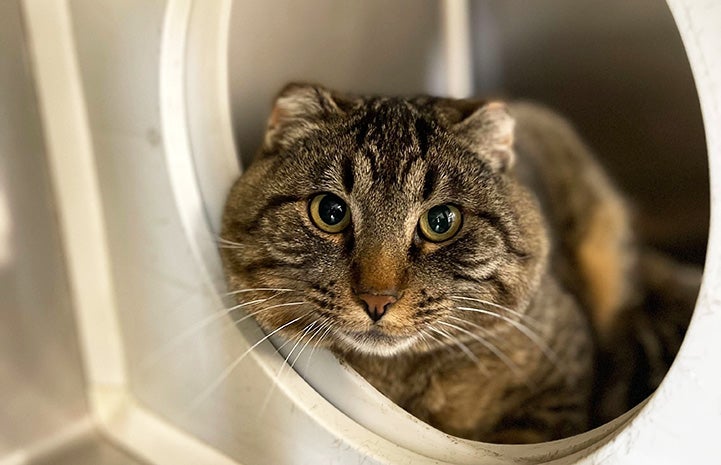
x=331 y=210
x=440 y=219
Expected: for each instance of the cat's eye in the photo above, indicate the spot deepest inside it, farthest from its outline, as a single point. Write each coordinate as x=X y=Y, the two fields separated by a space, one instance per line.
x=440 y=223
x=329 y=212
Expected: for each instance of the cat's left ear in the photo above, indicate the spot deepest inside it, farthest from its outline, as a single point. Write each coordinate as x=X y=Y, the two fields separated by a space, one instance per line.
x=488 y=131
x=301 y=108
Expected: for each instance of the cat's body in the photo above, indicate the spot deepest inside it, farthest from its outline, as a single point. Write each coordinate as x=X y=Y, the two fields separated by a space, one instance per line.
x=447 y=390
x=464 y=264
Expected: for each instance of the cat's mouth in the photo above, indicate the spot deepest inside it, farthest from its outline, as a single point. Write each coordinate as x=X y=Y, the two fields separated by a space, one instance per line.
x=377 y=341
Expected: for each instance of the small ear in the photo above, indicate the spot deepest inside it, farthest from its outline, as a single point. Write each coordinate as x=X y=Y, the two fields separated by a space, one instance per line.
x=488 y=131
x=298 y=110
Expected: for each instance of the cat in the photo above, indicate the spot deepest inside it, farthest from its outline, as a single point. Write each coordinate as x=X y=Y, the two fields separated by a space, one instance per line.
x=469 y=259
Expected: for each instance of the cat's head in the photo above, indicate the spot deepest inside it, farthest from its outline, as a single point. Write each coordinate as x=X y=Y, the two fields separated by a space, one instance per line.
x=366 y=222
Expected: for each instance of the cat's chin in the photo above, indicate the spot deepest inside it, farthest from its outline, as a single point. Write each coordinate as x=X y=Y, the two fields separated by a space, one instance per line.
x=377 y=343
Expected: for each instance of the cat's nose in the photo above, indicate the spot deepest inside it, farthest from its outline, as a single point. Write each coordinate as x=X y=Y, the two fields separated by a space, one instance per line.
x=376 y=305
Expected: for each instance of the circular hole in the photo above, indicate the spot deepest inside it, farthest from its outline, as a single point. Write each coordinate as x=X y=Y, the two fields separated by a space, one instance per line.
x=596 y=67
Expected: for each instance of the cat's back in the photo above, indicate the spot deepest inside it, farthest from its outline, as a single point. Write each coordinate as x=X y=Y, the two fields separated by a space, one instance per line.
x=587 y=217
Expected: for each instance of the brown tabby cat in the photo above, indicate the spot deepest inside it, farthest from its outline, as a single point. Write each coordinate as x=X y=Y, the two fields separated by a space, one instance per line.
x=464 y=257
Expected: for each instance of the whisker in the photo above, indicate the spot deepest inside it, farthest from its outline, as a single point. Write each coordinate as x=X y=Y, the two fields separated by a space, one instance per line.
x=221 y=240
x=288 y=278
x=305 y=331
x=312 y=336
x=464 y=348
x=229 y=369
x=257 y=312
x=477 y=326
x=501 y=307
x=287 y=304
x=424 y=338
x=259 y=289
x=535 y=338
x=318 y=342
x=429 y=335
x=280 y=347
x=157 y=354
x=503 y=357
x=439 y=341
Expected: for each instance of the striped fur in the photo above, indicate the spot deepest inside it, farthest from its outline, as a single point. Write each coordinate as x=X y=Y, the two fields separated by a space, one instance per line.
x=545 y=245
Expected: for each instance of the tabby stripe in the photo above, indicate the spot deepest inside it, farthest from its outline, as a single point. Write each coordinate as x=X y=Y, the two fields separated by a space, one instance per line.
x=323 y=303
x=429 y=182
x=404 y=172
x=273 y=203
x=466 y=277
x=375 y=175
x=414 y=252
x=348 y=174
x=501 y=288
x=320 y=98
x=426 y=312
x=349 y=243
x=497 y=224
x=364 y=127
x=272 y=263
x=323 y=311
x=423 y=131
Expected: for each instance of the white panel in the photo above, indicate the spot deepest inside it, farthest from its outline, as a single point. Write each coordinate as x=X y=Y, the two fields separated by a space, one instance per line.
x=41 y=381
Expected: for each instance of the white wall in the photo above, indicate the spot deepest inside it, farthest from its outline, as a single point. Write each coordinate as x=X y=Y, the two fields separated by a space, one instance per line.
x=369 y=46
x=41 y=383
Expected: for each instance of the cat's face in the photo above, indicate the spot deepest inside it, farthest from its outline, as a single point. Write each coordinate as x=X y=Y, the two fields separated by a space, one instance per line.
x=366 y=223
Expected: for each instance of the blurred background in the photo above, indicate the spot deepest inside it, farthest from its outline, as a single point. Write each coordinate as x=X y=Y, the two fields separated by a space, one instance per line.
x=617 y=69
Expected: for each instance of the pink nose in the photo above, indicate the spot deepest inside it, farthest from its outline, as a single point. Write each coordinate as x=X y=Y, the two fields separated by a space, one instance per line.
x=377 y=304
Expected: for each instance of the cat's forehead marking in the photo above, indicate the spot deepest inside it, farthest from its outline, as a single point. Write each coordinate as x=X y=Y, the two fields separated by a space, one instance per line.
x=395 y=153
x=430 y=179
x=393 y=139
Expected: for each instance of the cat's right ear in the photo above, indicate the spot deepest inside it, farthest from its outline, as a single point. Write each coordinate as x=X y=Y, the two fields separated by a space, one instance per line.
x=489 y=132
x=300 y=109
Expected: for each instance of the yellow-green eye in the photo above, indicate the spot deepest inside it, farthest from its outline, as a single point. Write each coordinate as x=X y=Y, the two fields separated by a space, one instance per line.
x=440 y=223
x=329 y=213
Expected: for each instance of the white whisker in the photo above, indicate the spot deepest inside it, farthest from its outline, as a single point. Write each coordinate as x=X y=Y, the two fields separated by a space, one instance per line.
x=157 y=354
x=260 y=289
x=477 y=326
x=229 y=369
x=440 y=342
x=424 y=338
x=220 y=240
x=288 y=304
x=464 y=348
x=317 y=343
x=503 y=357
x=312 y=336
x=535 y=338
x=308 y=328
x=501 y=307
x=323 y=329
